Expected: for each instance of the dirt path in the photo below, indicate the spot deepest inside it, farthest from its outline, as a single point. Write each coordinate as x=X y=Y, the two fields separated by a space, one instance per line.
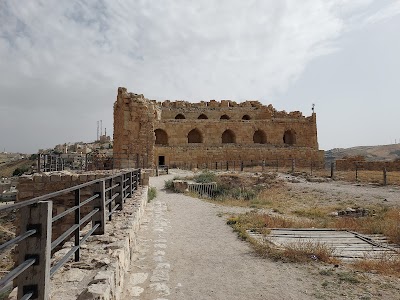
x=186 y=251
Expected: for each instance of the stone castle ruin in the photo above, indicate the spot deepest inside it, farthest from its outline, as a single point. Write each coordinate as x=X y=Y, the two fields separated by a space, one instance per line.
x=148 y=133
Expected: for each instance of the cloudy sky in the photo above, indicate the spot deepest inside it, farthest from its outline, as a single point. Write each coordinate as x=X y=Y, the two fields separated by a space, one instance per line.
x=61 y=63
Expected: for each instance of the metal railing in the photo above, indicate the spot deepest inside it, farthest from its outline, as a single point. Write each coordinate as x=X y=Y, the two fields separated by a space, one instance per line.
x=162 y=169
x=203 y=189
x=35 y=243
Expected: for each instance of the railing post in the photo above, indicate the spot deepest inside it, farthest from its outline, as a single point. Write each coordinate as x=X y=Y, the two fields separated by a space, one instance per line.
x=227 y=165
x=131 y=189
x=216 y=165
x=384 y=176
x=36 y=279
x=77 y=220
x=293 y=165
x=356 y=172
x=120 y=190
x=263 y=165
x=99 y=202
x=241 y=166
x=332 y=170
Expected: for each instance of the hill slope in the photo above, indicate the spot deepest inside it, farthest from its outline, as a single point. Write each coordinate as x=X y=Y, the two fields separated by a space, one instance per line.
x=372 y=153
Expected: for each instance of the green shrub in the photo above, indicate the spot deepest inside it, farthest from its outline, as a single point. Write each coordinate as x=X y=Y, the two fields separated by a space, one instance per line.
x=20 y=171
x=169 y=184
x=205 y=177
x=151 y=193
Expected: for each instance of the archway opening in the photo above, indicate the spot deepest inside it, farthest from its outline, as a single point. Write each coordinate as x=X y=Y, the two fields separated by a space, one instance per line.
x=289 y=137
x=224 y=117
x=259 y=137
x=202 y=116
x=161 y=137
x=246 y=117
x=180 y=116
x=228 y=137
x=195 y=136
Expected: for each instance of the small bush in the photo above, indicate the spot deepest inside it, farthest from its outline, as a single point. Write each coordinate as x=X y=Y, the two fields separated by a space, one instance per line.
x=169 y=184
x=205 y=177
x=151 y=193
x=20 y=171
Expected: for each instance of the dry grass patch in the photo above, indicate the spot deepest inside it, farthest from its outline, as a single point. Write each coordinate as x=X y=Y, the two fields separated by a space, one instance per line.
x=386 y=264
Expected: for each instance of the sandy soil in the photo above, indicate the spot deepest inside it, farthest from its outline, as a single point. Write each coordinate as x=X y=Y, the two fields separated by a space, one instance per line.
x=186 y=251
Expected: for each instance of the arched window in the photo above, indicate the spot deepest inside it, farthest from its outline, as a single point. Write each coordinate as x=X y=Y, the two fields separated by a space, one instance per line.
x=161 y=137
x=195 y=136
x=202 y=116
x=246 y=117
x=228 y=137
x=224 y=117
x=180 y=116
x=289 y=137
x=259 y=137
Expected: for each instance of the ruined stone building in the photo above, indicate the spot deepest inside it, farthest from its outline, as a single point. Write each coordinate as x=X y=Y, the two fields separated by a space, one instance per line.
x=149 y=133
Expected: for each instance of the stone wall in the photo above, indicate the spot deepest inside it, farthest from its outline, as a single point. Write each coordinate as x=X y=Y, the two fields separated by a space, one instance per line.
x=205 y=155
x=152 y=133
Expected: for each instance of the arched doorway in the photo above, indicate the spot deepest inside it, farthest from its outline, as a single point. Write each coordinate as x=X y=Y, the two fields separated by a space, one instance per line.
x=195 y=136
x=289 y=137
x=161 y=137
x=180 y=116
x=228 y=137
x=259 y=137
x=202 y=116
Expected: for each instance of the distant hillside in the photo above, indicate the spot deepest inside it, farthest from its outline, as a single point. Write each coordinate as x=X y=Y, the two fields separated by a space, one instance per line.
x=371 y=153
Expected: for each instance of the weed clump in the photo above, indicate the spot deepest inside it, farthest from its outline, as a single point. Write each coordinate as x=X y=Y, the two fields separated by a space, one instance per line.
x=151 y=193
x=205 y=177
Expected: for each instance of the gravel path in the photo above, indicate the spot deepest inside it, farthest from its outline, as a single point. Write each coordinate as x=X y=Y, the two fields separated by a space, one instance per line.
x=188 y=252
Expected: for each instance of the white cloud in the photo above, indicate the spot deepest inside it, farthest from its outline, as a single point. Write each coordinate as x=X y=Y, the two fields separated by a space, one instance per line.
x=58 y=53
x=387 y=12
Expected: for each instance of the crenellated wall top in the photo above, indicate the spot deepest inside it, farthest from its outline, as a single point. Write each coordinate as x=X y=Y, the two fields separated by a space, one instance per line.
x=181 y=106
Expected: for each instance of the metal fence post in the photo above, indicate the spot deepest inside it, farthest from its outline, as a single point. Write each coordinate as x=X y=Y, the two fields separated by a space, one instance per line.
x=120 y=190
x=36 y=279
x=77 y=221
x=130 y=184
x=99 y=202
x=384 y=176
x=356 y=172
